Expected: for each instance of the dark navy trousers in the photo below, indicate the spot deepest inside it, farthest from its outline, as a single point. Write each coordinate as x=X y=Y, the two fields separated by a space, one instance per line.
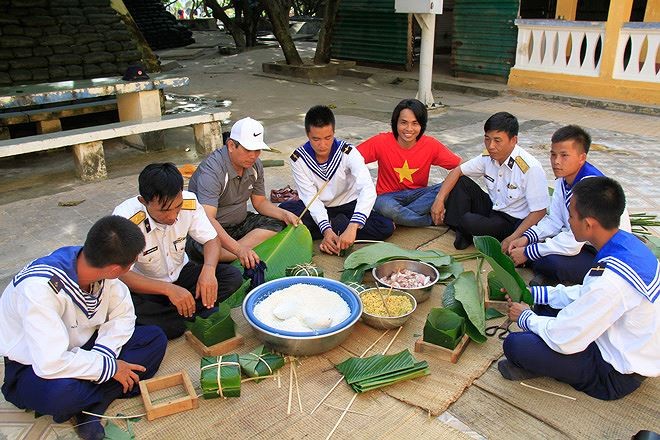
x=377 y=227
x=565 y=269
x=585 y=371
x=64 y=398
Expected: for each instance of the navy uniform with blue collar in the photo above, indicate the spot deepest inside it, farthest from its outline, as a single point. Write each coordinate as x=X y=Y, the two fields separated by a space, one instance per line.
x=164 y=259
x=515 y=188
x=61 y=344
x=606 y=338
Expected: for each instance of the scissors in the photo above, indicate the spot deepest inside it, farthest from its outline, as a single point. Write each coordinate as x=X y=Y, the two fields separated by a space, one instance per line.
x=504 y=327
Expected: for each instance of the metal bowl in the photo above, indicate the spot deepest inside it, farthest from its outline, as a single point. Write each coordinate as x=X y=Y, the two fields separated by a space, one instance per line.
x=387 y=322
x=421 y=294
x=302 y=343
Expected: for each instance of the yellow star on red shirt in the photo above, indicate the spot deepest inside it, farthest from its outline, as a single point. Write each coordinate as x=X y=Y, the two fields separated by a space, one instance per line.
x=405 y=172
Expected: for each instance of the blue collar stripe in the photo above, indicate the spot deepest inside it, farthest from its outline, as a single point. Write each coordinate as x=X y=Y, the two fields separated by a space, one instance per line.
x=626 y=272
x=327 y=170
x=587 y=170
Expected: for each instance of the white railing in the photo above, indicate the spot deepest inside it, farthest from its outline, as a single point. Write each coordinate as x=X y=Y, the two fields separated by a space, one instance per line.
x=558 y=46
x=642 y=61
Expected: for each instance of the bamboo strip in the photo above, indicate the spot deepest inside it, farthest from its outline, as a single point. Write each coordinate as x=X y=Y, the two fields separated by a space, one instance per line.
x=392 y=341
x=342 y=416
x=352 y=412
x=288 y=408
x=295 y=376
x=546 y=391
x=312 y=201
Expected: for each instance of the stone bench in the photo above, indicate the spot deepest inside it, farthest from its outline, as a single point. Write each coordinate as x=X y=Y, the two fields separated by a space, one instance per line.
x=88 y=142
x=47 y=119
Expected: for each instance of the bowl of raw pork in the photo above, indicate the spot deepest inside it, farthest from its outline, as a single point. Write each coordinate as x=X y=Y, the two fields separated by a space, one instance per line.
x=414 y=277
x=302 y=315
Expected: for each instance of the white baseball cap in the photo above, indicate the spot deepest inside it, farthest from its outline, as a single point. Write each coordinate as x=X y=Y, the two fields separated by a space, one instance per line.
x=249 y=133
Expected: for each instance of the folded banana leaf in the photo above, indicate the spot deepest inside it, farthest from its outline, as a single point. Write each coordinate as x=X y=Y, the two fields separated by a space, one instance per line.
x=371 y=256
x=462 y=297
x=216 y=328
x=220 y=376
x=495 y=287
x=504 y=269
x=359 y=288
x=304 y=270
x=444 y=327
x=260 y=362
x=291 y=246
x=364 y=374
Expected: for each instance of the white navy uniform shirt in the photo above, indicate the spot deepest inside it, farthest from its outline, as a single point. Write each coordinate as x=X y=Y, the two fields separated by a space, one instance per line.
x=164 y=254
x=348 y=177
x=517 y=187
x=616 y=307
x=552 y=235
x=45 y=317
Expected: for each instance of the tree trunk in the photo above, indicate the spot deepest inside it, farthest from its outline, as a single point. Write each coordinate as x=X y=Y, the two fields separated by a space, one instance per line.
x=231 y=25
x=322 y=54
x=278 y=13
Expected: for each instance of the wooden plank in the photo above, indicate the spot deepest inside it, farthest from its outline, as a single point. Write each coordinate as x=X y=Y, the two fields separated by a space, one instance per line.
x=49 y=141
x=173 y=406
x=61 y=111
x=444 y=353
x=214 y=350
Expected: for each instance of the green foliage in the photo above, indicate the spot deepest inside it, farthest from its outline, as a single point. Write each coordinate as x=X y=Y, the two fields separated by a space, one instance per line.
x=505 y=270
x=495 y=287
x=260 y=362
x=216 y=328
x=371 y=256
x=229 y=374
x=289 y=247
x=463 y=298
x=444 y=328
x=364 y=374
x=492 y=313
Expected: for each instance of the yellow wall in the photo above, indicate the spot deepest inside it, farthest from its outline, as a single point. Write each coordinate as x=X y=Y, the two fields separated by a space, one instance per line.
x=652 y=10
x=566 y=9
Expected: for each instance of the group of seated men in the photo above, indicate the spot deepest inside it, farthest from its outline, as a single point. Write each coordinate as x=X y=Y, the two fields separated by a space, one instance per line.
x=68 y=320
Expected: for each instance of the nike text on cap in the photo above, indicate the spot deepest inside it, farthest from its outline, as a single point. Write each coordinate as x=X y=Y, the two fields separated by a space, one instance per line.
x=249 y=133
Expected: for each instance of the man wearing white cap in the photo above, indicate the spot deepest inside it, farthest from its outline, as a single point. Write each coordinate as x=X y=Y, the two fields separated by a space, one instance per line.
x=225 y=181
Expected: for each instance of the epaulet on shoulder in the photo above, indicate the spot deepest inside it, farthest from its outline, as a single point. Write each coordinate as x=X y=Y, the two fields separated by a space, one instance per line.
x=346 y=148
x=55 y=283
x=294 y=156
x=138 y=217
x=189 y=204
x=485 y=152
x=522 y=164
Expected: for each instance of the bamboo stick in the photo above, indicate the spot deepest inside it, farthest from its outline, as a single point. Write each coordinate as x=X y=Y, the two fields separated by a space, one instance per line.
x=392 y=341
x=352 y=412
x=312 y=201
x=546 y=391
x=295 y=376
x=288 y=408
x=342 y=377
x=342 y=416
x=382 y=298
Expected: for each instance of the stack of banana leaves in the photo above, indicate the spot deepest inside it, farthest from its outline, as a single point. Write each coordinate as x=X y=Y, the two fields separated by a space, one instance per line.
x=220 y=376
x=216 y=328
x=291 y=246
x=371 y=256
x=364 y=374
x=260 y=362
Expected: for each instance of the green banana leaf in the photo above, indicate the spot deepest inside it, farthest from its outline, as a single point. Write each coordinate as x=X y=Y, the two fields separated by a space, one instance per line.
x=364 y=374
x=504 y=268
x=216 y=328
x=492 y=313
x=653 y=243
x=444 y=328
x=359 y=288
x=291 y=246
x=230 y=376
x=260 y=362
x=303 y=270
x=462 y=297
x=495 y=287
x=370 y=256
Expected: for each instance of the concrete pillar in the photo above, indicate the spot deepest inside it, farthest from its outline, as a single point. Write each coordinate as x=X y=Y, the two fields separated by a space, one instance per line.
x=90 y=161
x=138 y=106
x=424 y=92
x=566 y=10
x=652 y=12
x=208 y=137
x=619 y=13
x=52 y=126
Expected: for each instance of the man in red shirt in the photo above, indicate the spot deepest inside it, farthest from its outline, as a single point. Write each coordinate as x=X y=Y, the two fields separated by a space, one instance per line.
x=404 y=160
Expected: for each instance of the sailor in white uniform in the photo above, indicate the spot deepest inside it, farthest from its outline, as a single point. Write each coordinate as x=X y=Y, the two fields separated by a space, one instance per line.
x=67 y=329
x=606 y=338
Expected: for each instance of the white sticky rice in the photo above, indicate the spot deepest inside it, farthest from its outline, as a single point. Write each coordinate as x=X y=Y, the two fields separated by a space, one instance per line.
x=302 y=308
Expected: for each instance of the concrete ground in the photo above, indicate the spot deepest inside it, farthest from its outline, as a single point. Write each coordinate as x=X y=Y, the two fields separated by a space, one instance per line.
x=626 y=145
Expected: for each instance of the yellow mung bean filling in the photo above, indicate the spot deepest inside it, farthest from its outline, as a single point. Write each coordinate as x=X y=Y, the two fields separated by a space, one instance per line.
x=397 y=305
